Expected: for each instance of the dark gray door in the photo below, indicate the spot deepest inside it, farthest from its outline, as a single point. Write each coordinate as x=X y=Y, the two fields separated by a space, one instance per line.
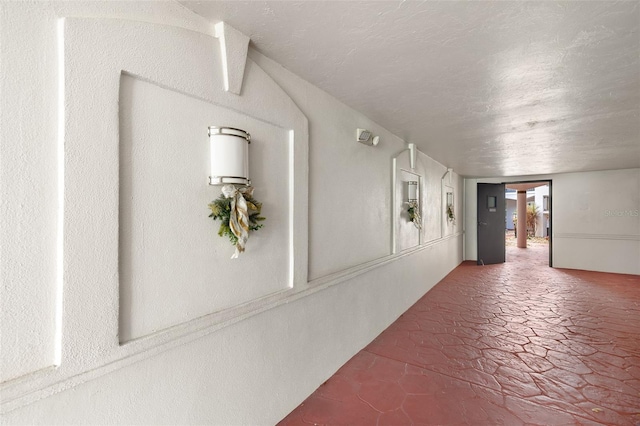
x=491 y=223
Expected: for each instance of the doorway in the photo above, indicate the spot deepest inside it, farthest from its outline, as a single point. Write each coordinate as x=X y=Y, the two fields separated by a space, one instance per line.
x=529 y=212
x=498 y=208
x=491 y=223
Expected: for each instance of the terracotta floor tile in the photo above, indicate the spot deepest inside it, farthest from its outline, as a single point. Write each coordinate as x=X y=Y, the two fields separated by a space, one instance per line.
x=531 y=413
x=516 y=343
x=557 y=390
x=339 y=388
x=568 y=378
x=395 y=417
x=535 y=362
x=382 y=396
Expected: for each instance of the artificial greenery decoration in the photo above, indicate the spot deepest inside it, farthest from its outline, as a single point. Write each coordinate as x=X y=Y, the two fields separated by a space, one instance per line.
x=414 y=214
x=450 y=214
x=221 y=209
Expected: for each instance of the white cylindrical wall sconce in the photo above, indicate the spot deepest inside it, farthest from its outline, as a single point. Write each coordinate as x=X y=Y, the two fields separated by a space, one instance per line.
x=412 y=191
x=229 y=149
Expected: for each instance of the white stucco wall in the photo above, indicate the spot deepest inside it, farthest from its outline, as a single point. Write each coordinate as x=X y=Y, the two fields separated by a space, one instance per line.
x=229 y=354
x=595 y=220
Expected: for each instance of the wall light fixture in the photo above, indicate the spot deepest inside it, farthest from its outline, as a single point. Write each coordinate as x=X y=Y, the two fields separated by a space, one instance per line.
x=236 y=208
x=412 y=191
x=413 y=206
x=229 y=149
x=364 y=136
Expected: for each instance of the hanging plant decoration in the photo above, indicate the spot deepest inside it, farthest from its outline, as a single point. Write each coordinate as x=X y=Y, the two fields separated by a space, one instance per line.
x=238 y=213
x=450 y=214
x=414 y=214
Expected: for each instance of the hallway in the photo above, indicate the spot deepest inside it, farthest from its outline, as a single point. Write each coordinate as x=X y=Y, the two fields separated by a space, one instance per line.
x=515 y=343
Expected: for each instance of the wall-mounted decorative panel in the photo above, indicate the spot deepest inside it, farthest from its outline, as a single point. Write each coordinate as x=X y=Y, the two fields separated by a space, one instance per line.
x=448 y=197
x=432 y=201
x=141 y=261
x=407 y=234
x=432 y=229
x=173 y=265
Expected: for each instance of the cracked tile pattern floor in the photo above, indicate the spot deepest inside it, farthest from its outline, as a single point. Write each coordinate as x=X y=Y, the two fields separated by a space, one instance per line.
x=515 y=343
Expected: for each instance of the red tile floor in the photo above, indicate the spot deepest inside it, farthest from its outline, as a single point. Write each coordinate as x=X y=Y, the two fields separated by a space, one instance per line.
x=515 y=343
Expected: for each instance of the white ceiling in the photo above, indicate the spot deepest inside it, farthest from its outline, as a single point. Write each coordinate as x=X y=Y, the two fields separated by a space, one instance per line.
x=488 y=88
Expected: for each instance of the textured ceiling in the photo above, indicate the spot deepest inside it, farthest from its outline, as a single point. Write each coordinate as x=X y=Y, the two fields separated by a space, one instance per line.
x=488 y=88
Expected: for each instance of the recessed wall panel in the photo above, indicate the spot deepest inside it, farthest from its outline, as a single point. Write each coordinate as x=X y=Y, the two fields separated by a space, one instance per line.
x=407 y=234
x=448 y=196
x=433 y=205
x=173 y=266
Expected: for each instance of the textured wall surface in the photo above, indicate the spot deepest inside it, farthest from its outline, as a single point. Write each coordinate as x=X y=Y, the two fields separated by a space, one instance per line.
x=169 y=249
x=434 y=182
x=109 y=275
x=596 y=222
x=350 y=182
x=407 y=235
x=28 y=190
